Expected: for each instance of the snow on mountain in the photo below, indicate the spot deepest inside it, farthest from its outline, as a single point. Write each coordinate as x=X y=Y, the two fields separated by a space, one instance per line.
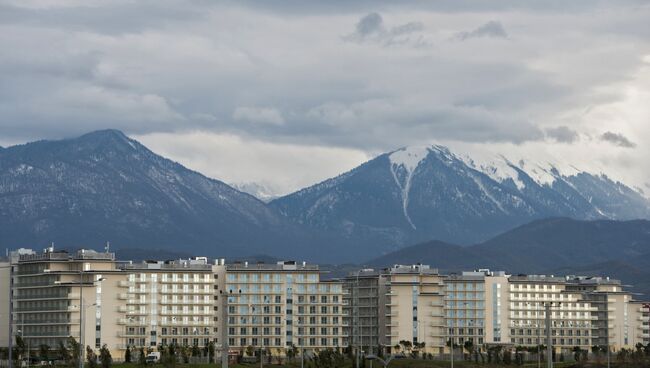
x=104 y=186
x=431 y=192
x=262 y=191
x=406 y=160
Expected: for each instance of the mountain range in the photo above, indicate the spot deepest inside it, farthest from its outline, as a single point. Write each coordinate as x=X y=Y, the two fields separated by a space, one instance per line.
x=561 y=246
x=416 y=194
x=104 y=186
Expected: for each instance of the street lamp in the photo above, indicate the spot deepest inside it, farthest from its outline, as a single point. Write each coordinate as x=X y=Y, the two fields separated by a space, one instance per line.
x=537 y=325
x=549 y=342
x=224 y=333
x=81 y=309
x=451 y=337
x=385 y=362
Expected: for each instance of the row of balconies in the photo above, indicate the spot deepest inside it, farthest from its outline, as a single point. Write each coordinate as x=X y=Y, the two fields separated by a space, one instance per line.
x=129 y=322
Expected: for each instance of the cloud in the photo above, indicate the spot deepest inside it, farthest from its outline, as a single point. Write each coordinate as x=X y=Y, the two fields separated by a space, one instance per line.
x=617 y=139
x=366 y=76
x=370 y=28
x=562 y=134
x=491 y=29
x=258 y=115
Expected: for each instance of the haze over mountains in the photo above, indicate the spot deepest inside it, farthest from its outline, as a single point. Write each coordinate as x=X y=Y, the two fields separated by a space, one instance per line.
x=104 y=186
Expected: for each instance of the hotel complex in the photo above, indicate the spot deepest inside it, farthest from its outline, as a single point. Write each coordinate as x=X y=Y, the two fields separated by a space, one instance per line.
x=242 y=307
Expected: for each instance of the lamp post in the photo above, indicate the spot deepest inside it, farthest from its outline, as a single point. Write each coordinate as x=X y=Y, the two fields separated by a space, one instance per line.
x=81 y=273
x=537 y=327
x=549 y=342
x=11 y=316
x=385 y=362
x=224 y=333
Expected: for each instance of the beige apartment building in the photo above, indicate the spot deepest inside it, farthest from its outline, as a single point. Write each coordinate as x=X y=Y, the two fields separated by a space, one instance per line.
x=89 y=296
x=476 y=307
x=415 y=308
x=53 y=289
x=276 y=306
x=614 y=322
x=570 y=314
x=137 y=305
x=640 y=316
x=171 y=302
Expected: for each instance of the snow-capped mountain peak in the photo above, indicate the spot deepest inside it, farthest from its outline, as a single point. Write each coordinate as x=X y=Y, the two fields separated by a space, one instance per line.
x=420 y=193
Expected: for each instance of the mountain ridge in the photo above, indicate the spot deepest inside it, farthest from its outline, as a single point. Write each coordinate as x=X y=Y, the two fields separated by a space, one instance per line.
x=105 y=186
x=428 y=192
x=619 y=249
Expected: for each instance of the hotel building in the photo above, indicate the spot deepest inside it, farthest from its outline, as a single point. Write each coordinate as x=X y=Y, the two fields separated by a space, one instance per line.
x=91 y=297
x=415 y=307
x=51 y=290
x=170 y=302
x=476 y=307
x=276 y=306
x=571 y=315
x=640 y=316
x=364 y=306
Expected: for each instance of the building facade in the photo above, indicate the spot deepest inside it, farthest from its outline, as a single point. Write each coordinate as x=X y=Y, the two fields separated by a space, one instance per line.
x=90 y=297
x=170 y=302
x=476 y=307
x=570 y=314
x=52 y=290
x=278 y=306
x=415 y=308
x=640 y=315
x=365 y=310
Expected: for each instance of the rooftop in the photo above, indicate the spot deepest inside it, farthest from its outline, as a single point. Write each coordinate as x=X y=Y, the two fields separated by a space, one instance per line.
x=279 y=266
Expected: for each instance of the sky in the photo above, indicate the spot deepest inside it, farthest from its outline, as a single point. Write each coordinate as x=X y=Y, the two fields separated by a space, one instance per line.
x=288 y=93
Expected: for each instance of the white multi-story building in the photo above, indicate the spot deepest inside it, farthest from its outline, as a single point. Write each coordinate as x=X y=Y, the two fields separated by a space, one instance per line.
x=276 y=306
x=476 y=307
x=570 y=314
x=169 y=303
x=89 y=296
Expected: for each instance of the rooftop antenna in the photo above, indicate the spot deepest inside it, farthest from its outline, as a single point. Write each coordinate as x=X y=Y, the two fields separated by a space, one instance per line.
x=107 y=247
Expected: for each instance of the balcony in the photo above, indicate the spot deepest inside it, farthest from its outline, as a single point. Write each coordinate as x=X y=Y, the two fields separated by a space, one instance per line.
x=131 y=322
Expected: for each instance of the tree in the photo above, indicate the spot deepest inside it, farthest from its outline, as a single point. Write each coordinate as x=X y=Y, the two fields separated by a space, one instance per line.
x=211 y=350
x=105 y=357
x=91 y=357
x=169 y=356
x=63 y=352
x=20 y=347
x=397 y=348
x=142 y=357
x=292 y=352
x=44 y=351
x=127 y=355
x=469 y=347
x=74 y=347
x=250 y=350
x=195 y=350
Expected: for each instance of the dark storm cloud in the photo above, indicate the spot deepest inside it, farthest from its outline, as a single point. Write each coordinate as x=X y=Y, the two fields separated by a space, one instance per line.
x=617 y=139
x=562 y=134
